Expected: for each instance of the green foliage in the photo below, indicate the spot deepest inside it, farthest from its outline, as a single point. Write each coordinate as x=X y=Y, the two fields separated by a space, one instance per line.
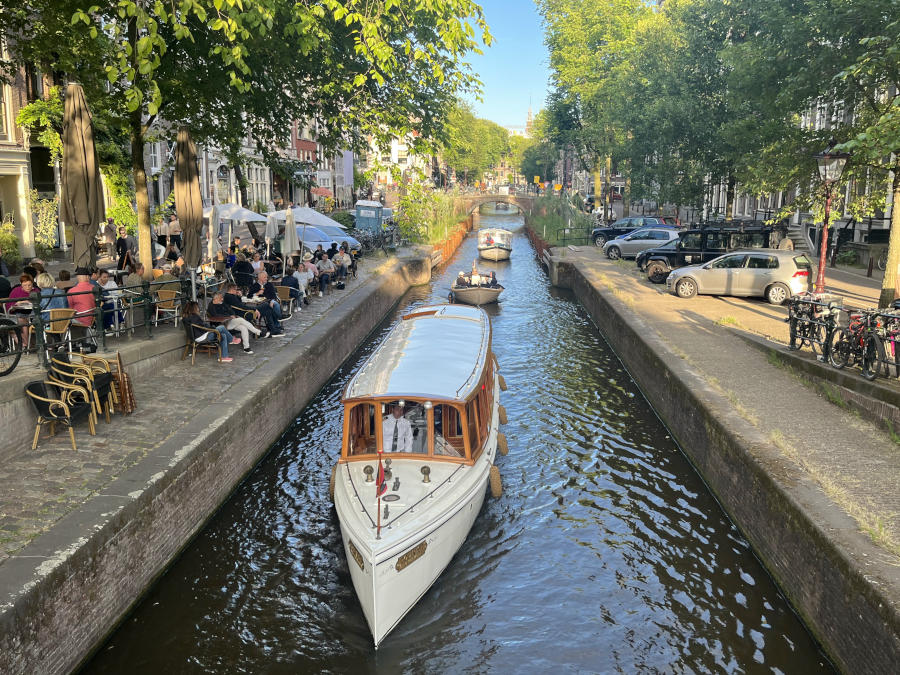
x=43 y=117
x=9 y=242
x=121 y=189
x=44 y=212
x=539 y=159
x=473 y=145
x=550 y=215
x=345 y=218
x=424 y=215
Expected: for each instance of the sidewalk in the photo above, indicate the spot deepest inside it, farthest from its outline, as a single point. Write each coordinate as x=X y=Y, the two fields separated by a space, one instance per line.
x=852 y=462
x=40 y=487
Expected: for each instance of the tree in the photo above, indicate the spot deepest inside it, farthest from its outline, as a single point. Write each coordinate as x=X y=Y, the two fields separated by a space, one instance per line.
x=471 y=145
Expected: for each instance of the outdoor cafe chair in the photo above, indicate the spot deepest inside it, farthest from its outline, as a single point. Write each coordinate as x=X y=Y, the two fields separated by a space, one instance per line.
x=286 y=300
x=92 y=373
x=210 y=346
x=59 y=328
x=57 y=403
x=167 y=305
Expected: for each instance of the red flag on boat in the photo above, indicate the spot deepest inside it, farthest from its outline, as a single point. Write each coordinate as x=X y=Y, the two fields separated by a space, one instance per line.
x=380 y=482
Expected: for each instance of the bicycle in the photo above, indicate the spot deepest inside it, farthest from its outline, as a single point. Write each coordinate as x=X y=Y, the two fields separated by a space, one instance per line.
x=812 y=325
x=881 y=262
x=888 y=335
x=10 y=345
x=857 y=344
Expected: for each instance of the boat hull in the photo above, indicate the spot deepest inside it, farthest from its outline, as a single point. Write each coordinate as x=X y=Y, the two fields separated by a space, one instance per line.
x=476 y=295
x=387 y=593
x=495 y=253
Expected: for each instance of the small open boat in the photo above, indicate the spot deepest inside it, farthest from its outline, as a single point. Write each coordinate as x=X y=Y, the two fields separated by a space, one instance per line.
x=495 y=243
x=421 y=422
x=475 y=295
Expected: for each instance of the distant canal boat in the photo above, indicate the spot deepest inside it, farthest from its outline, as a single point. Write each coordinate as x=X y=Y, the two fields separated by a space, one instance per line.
x=420 y=434
x=495 y=243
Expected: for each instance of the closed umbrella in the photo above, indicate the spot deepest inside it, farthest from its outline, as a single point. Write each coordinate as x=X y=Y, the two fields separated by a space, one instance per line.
x=213 y=231
x=188 y=203
x=271 y=233
x=291 y=243
x=81 y=194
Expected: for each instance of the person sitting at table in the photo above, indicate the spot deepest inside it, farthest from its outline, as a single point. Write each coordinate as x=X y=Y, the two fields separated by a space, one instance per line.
x=168 y=280
x=332 y=251
x=109 y=304
x=22 y=293
x=292 y=279
x=81 y=299
x=235 y=245
x=242 y=271
x=257 y=263
x=51 y=297
x=263 y=288
x=318 y=253
x=349 y=252
x=342 y=263
x=326 y=272
x=217 y=309
x=171 y=253
x=64 y=282
x=135 y=277
x=190 y=315
x=233 y=299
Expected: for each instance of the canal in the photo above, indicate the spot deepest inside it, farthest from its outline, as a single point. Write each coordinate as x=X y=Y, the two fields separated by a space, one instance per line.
x=605 y=553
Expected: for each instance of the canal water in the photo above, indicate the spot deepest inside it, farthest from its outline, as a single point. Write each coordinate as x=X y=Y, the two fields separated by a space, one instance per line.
x=605 y=553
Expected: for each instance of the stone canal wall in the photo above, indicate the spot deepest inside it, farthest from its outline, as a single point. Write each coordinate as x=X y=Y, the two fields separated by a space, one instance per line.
x=801 y=538
x=71 y=586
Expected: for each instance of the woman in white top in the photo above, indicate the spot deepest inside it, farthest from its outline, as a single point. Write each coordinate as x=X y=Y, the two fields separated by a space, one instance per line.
x=257 y=264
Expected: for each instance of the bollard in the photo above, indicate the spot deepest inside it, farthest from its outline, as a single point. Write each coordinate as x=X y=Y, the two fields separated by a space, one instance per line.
x=871 y=267
x=147 y=303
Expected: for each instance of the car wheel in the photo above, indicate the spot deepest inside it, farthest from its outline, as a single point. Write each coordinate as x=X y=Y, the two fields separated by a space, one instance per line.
x=657 y=272
x=599 y=241
x=613 y=253
x=686 y=288
x=776 y=294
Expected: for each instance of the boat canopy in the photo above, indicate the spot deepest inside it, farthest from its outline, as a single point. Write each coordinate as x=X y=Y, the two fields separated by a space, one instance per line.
x=436 y=352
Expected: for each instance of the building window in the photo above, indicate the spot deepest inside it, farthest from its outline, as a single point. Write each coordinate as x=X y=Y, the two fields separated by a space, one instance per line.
x=3 y=97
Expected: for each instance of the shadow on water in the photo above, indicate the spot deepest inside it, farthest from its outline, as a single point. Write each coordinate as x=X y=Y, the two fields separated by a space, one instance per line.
x=605 y=553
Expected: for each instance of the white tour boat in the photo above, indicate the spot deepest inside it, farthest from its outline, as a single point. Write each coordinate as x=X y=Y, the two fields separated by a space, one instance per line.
x=421 y=422
x=495 y=243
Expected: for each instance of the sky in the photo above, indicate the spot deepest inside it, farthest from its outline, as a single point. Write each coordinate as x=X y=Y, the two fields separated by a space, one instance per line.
x=516 y=66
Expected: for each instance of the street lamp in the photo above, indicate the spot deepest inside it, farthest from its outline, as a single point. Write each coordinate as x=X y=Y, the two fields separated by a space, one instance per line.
x=831 y=166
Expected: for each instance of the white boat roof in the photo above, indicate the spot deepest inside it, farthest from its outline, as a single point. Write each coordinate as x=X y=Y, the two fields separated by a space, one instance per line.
x=440 y=353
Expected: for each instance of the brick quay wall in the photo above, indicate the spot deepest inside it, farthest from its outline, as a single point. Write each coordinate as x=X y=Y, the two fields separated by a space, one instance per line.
x=803 y=539
x=62 y=595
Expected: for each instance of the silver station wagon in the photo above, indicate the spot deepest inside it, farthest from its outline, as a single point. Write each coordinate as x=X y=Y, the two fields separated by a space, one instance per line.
x=773 y=274
x=629 y=245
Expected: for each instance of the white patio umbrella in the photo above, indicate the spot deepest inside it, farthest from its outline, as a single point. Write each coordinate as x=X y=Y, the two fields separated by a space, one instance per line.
x=271 y=233
x=304 y=214
x=291 y=243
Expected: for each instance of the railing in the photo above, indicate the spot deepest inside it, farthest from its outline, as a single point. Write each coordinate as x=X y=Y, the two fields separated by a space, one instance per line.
x=579 y=236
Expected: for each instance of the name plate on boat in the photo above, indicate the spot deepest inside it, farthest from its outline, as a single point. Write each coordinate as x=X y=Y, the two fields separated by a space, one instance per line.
x=411 y=556
x=357 y=556
x=390 y=498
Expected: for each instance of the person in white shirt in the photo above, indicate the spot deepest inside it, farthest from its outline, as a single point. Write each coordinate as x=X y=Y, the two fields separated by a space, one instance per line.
x=396 y=431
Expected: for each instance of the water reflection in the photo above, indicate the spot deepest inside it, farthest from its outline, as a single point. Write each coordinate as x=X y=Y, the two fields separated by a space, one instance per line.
x=605 y=553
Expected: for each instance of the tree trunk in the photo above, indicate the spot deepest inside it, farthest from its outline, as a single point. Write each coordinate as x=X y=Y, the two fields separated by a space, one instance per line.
x=242 y=184
x=891 y=272
x=729 y=199
x=142 y=198
x=626 y=198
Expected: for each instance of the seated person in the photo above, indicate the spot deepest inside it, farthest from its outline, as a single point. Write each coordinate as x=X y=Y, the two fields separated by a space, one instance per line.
x=109 y=306
x=326 y=272
x=218 y=310
x=396 y=431
x=257 y=263
x=353 y=265
x=168 y=280
x=263 y=288
x=81 y=299
x=242 y=271
x=291 y=279
x=233 y=299
x=201 y=330
x=235 y=245
x=461 y=281
x=318 y=253
x=332 y=251
x=135 y=276
x=342 y=263
x=493 y=280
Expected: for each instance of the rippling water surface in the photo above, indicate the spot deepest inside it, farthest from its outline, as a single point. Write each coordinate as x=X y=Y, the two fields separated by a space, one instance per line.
x=606 y=552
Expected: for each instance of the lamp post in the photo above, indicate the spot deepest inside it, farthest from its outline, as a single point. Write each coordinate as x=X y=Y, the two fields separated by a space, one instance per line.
x=831 y=166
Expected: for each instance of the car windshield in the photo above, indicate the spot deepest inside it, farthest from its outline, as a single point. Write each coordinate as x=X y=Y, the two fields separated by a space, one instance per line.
x=669 y=245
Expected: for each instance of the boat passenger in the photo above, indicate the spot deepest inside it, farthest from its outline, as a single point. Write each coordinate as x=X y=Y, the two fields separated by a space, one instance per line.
x=461 y=281
x=493 y=282
x=396 y=431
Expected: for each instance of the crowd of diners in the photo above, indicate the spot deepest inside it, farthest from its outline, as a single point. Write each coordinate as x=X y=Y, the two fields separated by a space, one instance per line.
x=245 y=301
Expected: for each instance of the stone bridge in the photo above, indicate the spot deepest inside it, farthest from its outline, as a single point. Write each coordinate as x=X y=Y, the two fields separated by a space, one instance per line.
x=472 y=202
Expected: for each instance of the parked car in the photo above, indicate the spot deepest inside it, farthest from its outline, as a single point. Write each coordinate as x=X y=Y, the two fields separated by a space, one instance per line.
x=601 y=235
x=629 y=245
x=701 y=245
x=771 y=273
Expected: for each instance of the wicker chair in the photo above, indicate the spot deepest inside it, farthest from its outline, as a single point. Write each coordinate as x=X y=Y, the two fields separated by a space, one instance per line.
x=166 y=304
x=192 y=344
x=286 y=300
x=57 y=403
x=59 y=327
x=93 y=374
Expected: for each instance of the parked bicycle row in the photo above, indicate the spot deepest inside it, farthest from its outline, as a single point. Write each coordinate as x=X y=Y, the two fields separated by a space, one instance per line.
x=869 y=340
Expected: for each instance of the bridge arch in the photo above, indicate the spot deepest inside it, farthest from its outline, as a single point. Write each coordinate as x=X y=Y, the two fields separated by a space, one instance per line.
x=473 y=202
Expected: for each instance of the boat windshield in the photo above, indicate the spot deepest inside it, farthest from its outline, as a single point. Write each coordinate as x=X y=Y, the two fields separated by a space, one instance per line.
x=408 y=427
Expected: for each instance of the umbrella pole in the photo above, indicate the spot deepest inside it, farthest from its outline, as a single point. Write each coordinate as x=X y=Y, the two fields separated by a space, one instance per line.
x=194 y=284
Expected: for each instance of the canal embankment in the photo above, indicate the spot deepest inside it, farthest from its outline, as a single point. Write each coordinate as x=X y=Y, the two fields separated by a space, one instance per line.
x=812 y=486
x=107 y=520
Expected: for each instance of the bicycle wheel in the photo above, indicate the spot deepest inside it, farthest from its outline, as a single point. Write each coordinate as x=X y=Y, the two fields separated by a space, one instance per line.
x=9 y=346
x=839 y=350
x=872 y=357
x=815 y=336
x=881 y=263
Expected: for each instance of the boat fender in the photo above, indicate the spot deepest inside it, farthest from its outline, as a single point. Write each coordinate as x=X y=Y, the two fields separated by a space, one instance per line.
x=502 y=383
x=426 y=474
x=502 y=446
x=332 y=482
x=502 y=412
x=496 y=483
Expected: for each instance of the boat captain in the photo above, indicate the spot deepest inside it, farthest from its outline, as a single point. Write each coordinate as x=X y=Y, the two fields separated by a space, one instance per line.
x=396 y=431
